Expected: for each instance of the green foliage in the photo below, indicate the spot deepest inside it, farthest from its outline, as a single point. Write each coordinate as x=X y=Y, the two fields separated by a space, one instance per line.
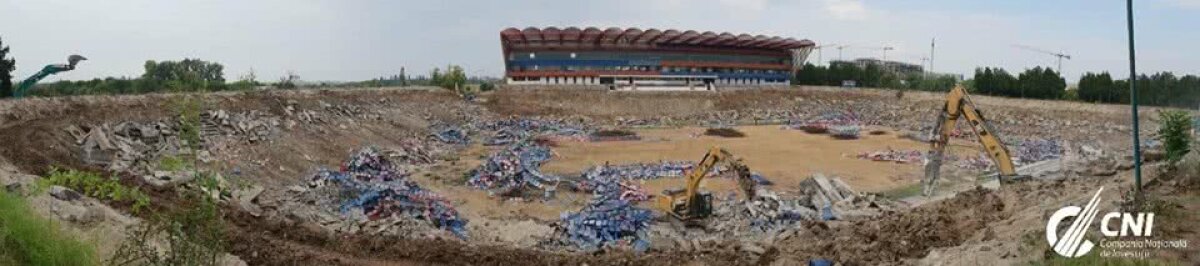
x=194 y=230
x=7 y=66
x=288 y=81
x=871 y=76
x=96 y=186
x=1175 y=132
x=186 y=74
x=28 y=239
x=1036 y=83
x=486 y=86
x=1160 y=89
x=453 y=78
x=171 y=163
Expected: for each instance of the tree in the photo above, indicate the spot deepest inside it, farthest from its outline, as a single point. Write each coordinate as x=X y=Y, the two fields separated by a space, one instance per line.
x=403 y=77
x=7 y=66
x=288 y=81
x=188 y=74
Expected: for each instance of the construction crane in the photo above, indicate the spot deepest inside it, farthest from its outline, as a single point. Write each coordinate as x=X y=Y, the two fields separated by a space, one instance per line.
x=46 y=71
x=1055 y=54
x=690 y=203
x=958 y=104
x=880 y=48
x=820 y=48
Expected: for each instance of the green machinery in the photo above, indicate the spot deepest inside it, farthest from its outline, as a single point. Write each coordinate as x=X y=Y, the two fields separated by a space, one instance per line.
x=52 y=69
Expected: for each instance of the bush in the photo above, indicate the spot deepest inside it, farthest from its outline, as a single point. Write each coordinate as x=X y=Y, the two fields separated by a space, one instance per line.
x=1175 y=132
x=29 y=239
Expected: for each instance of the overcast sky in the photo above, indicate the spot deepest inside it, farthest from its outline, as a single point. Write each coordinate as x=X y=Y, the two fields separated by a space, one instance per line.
x=357 y=40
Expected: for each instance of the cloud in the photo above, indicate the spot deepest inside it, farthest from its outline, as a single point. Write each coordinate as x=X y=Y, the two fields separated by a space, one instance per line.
x=846 y=9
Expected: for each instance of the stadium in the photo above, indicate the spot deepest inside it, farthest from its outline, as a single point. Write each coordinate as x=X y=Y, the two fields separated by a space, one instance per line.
x=633 y=58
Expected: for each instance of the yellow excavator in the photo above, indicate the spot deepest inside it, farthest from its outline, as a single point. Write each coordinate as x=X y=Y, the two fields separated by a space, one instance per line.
x=958 y=104
x=690 y=203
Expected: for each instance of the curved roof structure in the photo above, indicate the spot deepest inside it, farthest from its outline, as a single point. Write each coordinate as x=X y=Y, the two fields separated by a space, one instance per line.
x=614 y=37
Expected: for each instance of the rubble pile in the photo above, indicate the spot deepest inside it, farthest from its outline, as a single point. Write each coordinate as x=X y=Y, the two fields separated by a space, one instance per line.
x=120 y=146
x=374 y=189
x=766 y=213
x=515 y=167
x=1036 y=150
x=838 y=124
x=641 y=170
x=608 y=220
x=451 y=135
x=252 y=125
x=898 y=156
x=513 y=130
x=837 y=201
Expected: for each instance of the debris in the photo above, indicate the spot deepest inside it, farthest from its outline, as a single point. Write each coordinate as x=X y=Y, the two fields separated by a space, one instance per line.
x=63 y=193
x=607 y=221
x=513 y=168
x=377 y=189
x=898 y=156
x=451 y=135
x=724 y=132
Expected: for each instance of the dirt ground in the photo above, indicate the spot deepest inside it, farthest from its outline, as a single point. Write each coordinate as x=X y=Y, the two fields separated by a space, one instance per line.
x=976 y=227
x=782 y=155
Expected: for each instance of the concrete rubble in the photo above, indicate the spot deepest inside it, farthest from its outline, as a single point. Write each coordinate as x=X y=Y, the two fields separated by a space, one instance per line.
x=898 y=156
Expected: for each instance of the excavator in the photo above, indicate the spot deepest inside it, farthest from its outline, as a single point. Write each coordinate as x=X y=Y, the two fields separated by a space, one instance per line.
x=690 y=203
x=48 y=70
x=958 y=104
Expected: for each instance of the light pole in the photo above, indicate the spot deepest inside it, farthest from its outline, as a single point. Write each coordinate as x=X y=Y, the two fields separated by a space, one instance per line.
x=1133 y=100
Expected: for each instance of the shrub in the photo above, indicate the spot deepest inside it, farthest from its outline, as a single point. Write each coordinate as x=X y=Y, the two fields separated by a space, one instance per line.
x=29 y=239
x=96 y=186
x=1175 y=132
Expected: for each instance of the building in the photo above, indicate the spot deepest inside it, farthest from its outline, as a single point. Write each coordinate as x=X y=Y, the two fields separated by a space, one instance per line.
x=632 y=58
x=897 y=67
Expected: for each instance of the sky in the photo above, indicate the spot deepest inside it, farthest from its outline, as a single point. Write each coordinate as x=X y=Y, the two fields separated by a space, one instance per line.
x=360 y=39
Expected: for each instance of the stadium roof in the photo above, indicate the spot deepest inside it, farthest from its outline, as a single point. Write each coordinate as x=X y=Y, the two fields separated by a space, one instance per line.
x=552 y=37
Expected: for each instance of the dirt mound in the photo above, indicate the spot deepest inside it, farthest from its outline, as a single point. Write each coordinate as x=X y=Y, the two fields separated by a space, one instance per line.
x=908 y=234
x=724 y=132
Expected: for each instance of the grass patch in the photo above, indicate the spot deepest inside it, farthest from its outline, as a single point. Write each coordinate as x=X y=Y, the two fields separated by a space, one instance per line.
x=171 y=163
x=903 y=192
x=96 y=186
x=29 y=239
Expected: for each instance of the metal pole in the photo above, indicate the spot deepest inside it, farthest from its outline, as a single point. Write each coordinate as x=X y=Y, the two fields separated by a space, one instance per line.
x=1133 y=100
x=931 y=42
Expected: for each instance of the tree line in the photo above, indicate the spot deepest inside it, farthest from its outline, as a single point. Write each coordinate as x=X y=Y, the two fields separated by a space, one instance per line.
x=872 y=75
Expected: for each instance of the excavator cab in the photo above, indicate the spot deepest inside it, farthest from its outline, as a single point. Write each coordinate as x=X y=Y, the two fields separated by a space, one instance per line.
x=675 y=201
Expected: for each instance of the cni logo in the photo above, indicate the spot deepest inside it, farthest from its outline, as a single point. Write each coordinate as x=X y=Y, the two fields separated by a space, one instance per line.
x=1072 y=244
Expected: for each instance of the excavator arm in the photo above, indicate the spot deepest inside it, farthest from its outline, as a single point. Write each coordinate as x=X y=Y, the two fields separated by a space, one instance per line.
x=46 y=71
x=959 y=105
x=690 y=202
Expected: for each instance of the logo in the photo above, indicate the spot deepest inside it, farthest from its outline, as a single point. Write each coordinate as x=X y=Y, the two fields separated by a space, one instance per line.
x=1072 y=244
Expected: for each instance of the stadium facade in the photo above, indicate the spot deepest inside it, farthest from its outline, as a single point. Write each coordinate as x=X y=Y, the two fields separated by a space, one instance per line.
x=632 y=58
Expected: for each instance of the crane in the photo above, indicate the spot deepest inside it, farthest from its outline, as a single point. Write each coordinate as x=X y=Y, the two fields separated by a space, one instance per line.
x=881 y=48
x=819 y=48
x=1058 y=54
